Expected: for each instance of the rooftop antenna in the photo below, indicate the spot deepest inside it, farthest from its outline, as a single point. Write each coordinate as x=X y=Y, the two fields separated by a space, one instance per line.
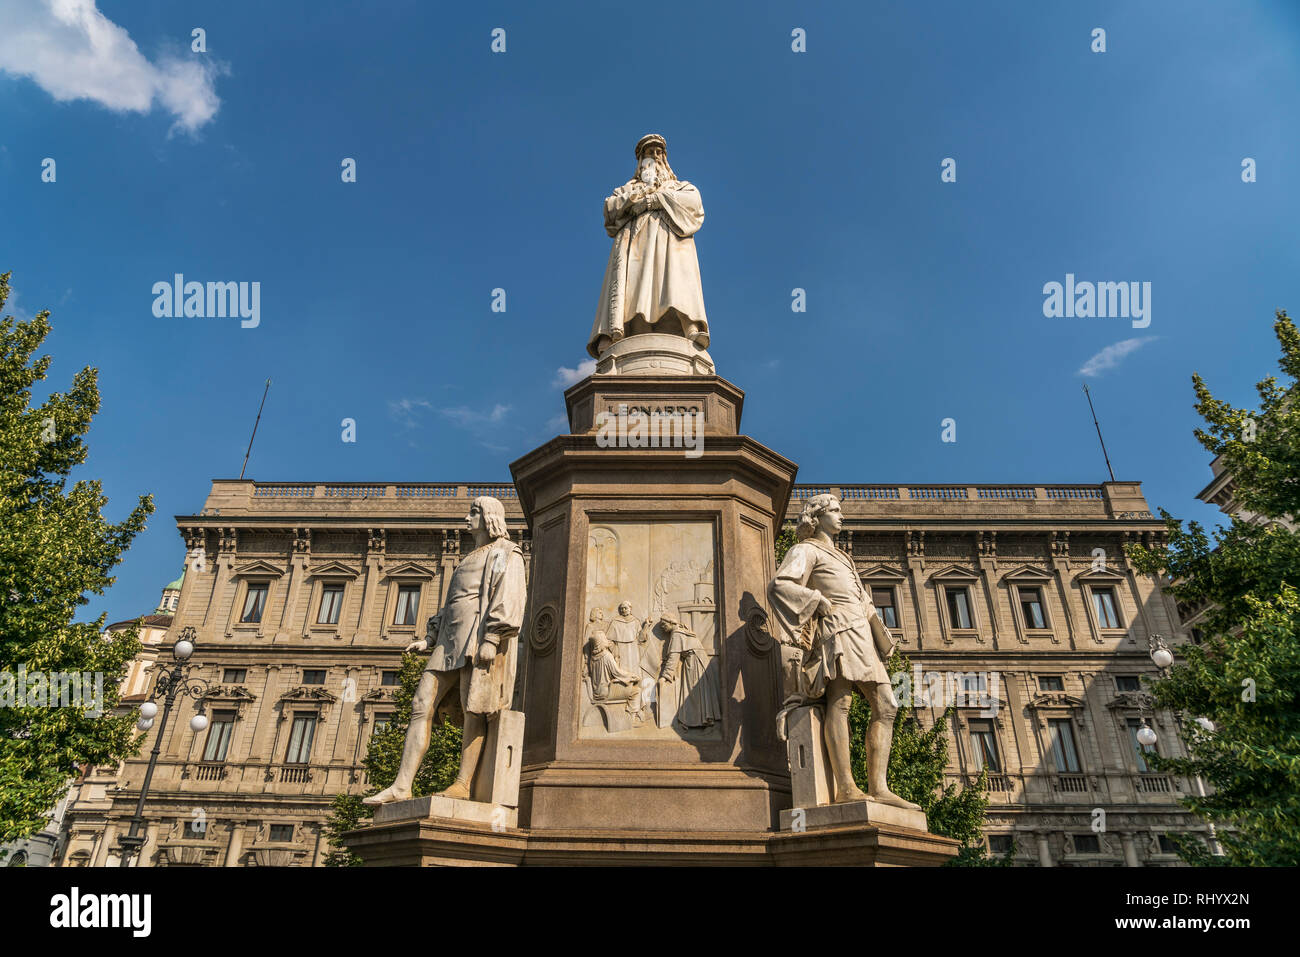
x=259 y=419
x=1094 y=422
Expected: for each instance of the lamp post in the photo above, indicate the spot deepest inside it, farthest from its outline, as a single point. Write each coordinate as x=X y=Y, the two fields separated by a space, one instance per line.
x=170 y=684
x=1162 y=657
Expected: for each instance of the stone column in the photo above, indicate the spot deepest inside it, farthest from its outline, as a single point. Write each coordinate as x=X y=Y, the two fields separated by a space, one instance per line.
x=1130 y=849
x=235 y=845
x=1044 y=850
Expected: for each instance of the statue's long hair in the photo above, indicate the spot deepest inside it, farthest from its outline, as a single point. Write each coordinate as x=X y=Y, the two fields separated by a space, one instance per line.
x=812 y=509
x=494 y=516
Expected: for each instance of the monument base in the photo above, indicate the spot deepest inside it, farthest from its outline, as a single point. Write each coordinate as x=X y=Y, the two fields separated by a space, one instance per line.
x=850 y=814
x=434 y=842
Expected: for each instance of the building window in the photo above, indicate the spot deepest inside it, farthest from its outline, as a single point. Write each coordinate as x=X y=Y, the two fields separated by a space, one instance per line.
x=984 y=746
x=234 y=676
x=408 y=602
x=282 y=833
x=1086 y=844
x=1198 y=636
x=1167 y=845
x=300 y=738
x=388 y=678
x=1051 y=683
x=974 y=681
x=1140 y=750
x=1031 y=606
x=331 y=603
x=195 y=830
x=219 y=731
x=883 y=599
x=382 y=721
x=959 y=607
x=1000 y=844
x=255 y=602
x=1127 y=683
x=313 y=676
x=1103 y=600
x=1064 y=753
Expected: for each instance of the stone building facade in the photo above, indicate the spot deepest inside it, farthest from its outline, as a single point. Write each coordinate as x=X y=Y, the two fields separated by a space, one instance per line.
x=302 y=597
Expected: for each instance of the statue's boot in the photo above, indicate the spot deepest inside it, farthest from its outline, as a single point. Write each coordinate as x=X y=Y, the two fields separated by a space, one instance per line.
x=388 y=796
x=459 y=790
x=837 y=750
x=880 y=736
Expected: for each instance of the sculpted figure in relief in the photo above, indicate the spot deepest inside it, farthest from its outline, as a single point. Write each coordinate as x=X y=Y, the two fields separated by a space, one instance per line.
x=474 y=640
x=819 y=604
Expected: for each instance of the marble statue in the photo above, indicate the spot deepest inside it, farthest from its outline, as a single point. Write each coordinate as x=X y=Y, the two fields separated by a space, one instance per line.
x=474 y=649
x=652 y=283
x=819 y=604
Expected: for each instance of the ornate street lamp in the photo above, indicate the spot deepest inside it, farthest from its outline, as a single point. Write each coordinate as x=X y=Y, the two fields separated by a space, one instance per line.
x=170 y=684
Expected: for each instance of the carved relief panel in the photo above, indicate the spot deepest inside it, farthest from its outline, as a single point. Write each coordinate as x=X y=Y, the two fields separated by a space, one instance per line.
x=650 y=665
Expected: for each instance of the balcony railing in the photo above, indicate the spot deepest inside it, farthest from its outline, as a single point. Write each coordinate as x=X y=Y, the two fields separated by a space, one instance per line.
x=1153 y=783
x=295 y=775
x=1070 y=783
x=210 y=772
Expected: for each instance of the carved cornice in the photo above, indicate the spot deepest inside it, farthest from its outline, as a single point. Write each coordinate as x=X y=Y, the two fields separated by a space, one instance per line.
x=1047 y=700
x=1131 y=701
x=411 y=570
x=880 y=572
x=258 y=568
x=334 y=569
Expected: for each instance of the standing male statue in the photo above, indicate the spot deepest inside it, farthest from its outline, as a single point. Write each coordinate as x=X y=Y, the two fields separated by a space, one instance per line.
x=819 y=603
x=475 y=648
x=652 y=283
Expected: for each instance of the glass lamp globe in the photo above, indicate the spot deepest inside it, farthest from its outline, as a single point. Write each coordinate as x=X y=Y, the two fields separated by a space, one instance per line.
x=1146 y=735
x=144 y=724
x=1162 y=657
x=184 y=648
x=198 y=722
x=148 y=709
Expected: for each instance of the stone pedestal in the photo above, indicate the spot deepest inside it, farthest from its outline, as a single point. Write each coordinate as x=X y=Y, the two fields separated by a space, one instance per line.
x=687 y=532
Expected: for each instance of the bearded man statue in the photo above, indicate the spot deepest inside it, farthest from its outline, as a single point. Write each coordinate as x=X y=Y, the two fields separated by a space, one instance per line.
x=652 y=282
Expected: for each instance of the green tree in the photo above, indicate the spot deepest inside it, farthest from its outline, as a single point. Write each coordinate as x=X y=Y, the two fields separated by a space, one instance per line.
x=383 y=757
x=917 y=760
x=55 y=549
x=1246 y=677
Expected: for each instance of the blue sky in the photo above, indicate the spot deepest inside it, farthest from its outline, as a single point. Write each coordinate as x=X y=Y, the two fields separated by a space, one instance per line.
x=476 y=171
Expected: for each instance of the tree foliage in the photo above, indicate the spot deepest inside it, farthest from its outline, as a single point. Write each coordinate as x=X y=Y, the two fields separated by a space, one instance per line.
x=55 y=549
x=1245 y=677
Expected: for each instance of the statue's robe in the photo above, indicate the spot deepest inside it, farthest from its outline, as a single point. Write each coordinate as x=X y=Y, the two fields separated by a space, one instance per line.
x=653 y=273
x=846 y=643
x=687 y=663
x=623 y=632
x=485 y=604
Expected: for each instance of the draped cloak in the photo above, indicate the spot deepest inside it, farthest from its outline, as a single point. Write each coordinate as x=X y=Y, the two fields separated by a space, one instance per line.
x=485 y=601
x=653 y=270
x=847 y=642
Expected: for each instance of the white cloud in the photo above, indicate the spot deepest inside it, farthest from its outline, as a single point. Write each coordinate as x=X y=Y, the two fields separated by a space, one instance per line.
x=1111 y=356
x=73 y=52
x=407 y=411
x=566 y=377
x=468 y=418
